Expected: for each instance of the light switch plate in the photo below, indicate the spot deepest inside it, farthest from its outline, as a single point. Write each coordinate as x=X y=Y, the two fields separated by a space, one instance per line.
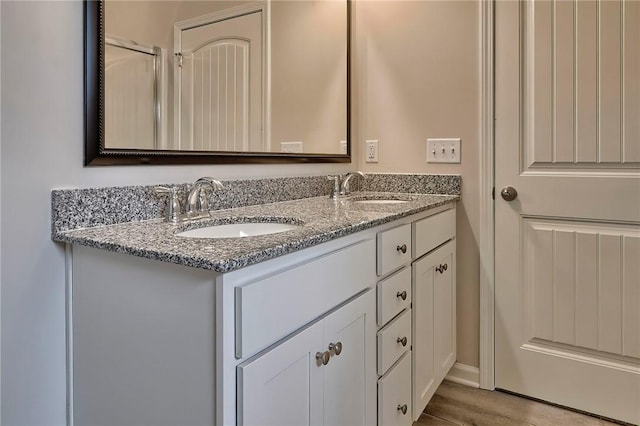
x=444 y=150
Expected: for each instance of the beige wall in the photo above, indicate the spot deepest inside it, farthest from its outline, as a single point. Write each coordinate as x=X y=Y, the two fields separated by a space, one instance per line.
x=417 y=76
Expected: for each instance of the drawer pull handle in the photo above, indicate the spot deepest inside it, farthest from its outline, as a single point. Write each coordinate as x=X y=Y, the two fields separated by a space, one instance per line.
x=336 y=348
x=402 y=248
x=402 y=295
x=323 y=358
x=442 y=268
x=403 y=409
x=402 y=341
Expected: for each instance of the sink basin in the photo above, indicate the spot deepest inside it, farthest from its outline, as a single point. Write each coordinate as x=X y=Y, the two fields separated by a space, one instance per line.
x=380 y=201
x=236 y=230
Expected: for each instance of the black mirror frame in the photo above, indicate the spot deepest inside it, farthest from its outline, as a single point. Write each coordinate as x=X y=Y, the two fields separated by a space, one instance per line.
x=95 y=153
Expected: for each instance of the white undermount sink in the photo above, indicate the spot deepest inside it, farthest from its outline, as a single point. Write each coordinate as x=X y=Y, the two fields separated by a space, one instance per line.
x=236 y=230
x=380 y=201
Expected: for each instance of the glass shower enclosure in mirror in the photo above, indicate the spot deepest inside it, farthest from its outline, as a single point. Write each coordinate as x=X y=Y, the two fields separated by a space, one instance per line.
x=217 y=81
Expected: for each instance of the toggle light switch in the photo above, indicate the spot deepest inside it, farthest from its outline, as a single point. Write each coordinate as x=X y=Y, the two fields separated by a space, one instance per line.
x=443 y=150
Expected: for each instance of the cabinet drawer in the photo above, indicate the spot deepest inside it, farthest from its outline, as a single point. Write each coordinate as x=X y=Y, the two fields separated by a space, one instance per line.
x=394 y=248
x=394 y=393
x=274 y=307
x=432 y=231
x=394 y=295
x=393 y=341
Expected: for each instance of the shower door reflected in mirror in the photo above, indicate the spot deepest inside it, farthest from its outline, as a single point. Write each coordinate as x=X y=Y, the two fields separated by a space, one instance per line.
x=131 y=73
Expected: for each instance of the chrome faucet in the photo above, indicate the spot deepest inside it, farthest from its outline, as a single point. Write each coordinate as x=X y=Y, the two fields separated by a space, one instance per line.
x=197 y=203
x=341 y=184
x=344 y=186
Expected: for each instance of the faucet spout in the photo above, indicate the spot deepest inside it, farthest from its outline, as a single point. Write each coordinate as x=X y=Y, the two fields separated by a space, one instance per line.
x=196 y=204
x=344 y=186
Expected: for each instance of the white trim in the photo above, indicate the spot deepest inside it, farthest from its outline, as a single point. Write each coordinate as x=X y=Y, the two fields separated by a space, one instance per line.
x=486 y=238
x=464 y=375
x=68 y=278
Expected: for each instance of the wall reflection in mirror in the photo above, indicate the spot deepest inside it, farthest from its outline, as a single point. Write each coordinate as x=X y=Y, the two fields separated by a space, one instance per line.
x=230 y=76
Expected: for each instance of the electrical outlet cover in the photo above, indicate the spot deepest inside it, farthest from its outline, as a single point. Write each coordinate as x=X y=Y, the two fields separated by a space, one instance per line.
x=371 y=151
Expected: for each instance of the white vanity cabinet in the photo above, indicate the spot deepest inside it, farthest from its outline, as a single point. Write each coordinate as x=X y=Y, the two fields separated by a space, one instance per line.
x=434 y=306
x=163 y=344
x=416 y=313
x=292 y=385
x=356 y=331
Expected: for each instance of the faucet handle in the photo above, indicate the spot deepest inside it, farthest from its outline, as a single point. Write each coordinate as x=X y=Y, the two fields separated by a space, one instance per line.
x=337 y=181
x=173 y=212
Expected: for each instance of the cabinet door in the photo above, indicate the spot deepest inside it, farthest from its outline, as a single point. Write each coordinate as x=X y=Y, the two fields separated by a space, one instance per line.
x=434 y=339
x=444 y=313
x=283 y=386
x=424 y=377
x=350 y=377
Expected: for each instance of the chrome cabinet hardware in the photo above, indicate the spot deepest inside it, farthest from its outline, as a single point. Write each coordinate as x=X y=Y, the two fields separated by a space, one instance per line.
x=323 y=358
x=402 y=340
x=402 y=295
x=509 y=193
x=336 y=348
x=402 y=248
x=442 y=268
x=402 y=408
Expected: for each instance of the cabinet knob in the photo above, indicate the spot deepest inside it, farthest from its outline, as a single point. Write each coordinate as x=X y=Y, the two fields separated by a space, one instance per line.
x=323 y=358
x=442 y=268
x=402 y=340
x=402 y=248
x=402 y=295
x=336 y=348
x=402 y=408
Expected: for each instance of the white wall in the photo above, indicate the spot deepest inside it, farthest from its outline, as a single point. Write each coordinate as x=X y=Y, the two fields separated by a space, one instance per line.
x=42 y=144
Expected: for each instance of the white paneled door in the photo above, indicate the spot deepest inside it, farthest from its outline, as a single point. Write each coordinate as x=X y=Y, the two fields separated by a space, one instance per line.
x=220 y=84
x=567 y=320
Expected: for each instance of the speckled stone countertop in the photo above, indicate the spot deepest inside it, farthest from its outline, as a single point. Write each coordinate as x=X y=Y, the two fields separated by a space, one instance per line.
x=322 y=219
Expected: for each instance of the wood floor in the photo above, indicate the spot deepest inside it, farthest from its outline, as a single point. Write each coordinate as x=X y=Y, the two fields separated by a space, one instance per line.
x=455 y=404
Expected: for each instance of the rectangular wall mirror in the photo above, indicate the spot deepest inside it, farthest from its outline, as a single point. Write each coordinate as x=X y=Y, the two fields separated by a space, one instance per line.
x=197 y=82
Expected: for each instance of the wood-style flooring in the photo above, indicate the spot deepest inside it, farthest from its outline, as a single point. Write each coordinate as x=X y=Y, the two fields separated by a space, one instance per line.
x=455 y=404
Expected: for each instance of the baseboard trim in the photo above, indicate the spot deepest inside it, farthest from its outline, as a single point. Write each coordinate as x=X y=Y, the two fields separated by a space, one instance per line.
x=464 y=375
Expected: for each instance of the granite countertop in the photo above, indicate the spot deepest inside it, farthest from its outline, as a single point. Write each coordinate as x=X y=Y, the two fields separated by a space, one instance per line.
x=322 y=219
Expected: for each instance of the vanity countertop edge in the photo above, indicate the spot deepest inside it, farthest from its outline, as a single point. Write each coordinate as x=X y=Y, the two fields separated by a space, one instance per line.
x=323 y=218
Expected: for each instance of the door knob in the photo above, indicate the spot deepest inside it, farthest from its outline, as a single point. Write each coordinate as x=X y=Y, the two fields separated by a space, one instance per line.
x=402 y=408
x=323 y=358
x=509 y=193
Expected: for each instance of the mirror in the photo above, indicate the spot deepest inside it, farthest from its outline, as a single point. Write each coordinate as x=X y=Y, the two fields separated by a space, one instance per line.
x=187 y=82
